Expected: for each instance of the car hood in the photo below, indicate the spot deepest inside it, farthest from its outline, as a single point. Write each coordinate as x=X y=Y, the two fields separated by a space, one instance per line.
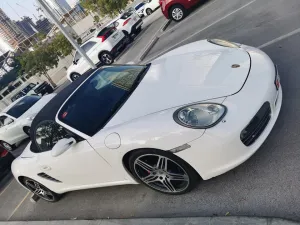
x=196 y=72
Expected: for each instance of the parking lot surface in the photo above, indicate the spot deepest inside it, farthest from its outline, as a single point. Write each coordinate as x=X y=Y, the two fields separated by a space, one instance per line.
x=266 y=185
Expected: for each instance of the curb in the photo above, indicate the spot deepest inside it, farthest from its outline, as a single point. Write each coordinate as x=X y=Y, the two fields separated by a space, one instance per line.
x=154 y=40
x=166 y=25
x=148 y=48
x=229 y=220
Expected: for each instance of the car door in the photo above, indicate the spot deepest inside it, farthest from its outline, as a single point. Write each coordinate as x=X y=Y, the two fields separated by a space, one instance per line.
x=80 y=166
x=81 y=66
x=10 y=130
x=91 y=49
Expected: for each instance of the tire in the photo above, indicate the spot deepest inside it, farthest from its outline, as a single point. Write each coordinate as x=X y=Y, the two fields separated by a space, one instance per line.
x=171 y=176
x=149 y=11
x=106 y=58
x=40 y=190
x=128 y=36
x=7 y=146
x=177 y=13
x=26 y=130
x=74 y=76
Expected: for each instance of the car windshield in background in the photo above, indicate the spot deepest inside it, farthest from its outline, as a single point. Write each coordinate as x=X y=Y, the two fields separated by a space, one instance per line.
x=22 y=106
x=139 y=6
x=97 y=100
x=29 y=88
x=106 y=29
x=126 y=15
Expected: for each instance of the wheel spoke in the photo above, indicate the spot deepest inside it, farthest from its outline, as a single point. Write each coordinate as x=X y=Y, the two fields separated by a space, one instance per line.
x=162 y=163
x=179 y=177
x=150 y=179
x=144 y=165
x=168 y=185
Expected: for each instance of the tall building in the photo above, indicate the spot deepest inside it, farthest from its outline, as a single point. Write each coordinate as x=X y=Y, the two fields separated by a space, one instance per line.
x=43 y=26
x=59 y=7
x=27 y=26
x=9 y=32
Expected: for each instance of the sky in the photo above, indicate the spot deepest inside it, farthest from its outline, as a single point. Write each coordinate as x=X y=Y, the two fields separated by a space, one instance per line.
x=27 y=8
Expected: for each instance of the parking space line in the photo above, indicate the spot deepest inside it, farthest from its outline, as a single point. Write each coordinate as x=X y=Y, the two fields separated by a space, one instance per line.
x=6 y=187
x=210 y=25
x=280 y=38
x=18 y=206
x=189 y=17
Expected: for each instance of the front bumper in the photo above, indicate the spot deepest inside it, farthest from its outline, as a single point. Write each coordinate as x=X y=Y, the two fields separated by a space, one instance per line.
x=220 y=149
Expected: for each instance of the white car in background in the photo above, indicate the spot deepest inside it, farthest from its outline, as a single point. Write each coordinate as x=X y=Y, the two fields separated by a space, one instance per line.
x=196 y=112
x=130 y=23
x=16 y=119
x=102 y=48
x=139 y=9
x=151 y=6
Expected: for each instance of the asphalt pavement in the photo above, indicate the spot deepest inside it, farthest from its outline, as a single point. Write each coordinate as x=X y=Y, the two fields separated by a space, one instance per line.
x=267 y=184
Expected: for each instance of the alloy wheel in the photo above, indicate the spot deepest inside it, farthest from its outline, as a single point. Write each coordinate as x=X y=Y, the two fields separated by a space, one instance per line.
x=149 y=11
x=39 y=190
x=106 y=58
x=75 y=76
x=177 y=13
x=161 y=173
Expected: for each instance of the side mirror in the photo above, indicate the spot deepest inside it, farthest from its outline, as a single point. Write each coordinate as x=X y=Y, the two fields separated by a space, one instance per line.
x=75 y=62
x=62 y=146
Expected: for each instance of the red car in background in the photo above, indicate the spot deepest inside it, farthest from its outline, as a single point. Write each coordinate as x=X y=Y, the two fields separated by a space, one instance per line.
x=176 y=9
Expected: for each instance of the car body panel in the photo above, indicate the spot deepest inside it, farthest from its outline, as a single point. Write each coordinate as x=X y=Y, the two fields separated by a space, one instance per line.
x=13 y=133
x=210 y=152
x=186 y=78
x=82 y=65
x=167 y=4
x=151 y=4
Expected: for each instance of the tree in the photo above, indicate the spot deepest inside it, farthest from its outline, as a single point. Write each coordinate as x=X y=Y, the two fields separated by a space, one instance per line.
x=62 y=45
x=106 y=7
x=96 y=19
x=39 y=62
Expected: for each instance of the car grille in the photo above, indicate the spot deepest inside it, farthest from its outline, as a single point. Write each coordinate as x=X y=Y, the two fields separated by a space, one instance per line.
x=46 y=176
x=257 y=125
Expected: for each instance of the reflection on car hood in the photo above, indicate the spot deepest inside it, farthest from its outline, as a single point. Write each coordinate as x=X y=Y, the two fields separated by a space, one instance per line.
x=196 y=72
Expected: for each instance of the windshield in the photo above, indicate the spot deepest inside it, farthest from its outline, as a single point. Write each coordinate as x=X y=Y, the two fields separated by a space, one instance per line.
x=28 y=88
x=22 y=106
x=96 y=101
x=139 y=6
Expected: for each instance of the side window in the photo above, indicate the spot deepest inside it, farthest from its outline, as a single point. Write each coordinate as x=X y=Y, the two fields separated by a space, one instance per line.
x=88 y=46
x=47 y=134
x=4 y=121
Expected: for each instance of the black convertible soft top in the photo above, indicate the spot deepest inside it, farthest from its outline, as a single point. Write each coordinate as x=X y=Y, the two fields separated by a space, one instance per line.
x=50 y=110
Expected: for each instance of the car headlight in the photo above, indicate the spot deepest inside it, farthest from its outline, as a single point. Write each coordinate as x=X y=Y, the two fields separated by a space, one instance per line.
x=200 y=116
x=223 y=43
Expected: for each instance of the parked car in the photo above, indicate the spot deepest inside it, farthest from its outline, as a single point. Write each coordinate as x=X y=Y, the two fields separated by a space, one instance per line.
x=103 y=48
x=176 y=9
x=150 y=7
x=139 y=9
x=34 y=89
x=6 y=159
x=16 y=119
x=198 y=111
x=129 y=23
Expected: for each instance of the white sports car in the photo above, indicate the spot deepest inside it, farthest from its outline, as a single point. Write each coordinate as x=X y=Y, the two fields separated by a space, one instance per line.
x=195 y=112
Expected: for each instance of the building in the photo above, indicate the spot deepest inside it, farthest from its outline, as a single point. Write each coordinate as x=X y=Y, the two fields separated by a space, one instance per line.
x=43 y=26
x=9 y=31
x=26 y=26
x=59 y=7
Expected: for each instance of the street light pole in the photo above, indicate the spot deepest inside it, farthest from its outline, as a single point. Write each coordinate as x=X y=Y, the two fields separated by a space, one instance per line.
x=65 y=32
